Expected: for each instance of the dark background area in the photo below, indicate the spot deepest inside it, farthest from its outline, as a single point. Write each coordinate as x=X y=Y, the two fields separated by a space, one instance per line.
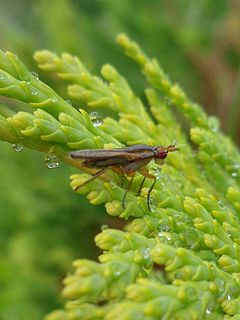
x=44 y=225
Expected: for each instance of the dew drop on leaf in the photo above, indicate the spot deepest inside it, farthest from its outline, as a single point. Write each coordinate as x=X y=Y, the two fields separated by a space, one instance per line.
x=235 y=174
x=104 y=227
x=34 y=92
x=95 y=118
x=220 y=203
x=51 y=161
x=165 y=227
x=117 y=273
x=210 y=307
x=34 y=74
x=213 y=124
x=165 y=236
x=145 y=252
x=153 y=204
x=17 y=147
x=157 y=172
x=208 y=311
x=69 y=102
x=236 y=166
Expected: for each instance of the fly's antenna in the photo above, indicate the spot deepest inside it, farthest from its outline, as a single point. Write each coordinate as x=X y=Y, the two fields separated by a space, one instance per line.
x=181 y=145
x=173 y=147
x=174 y=142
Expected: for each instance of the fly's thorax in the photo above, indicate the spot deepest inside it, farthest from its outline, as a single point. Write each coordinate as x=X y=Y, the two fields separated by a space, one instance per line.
x=135 y=165
x=159 y=161
x=88 y=164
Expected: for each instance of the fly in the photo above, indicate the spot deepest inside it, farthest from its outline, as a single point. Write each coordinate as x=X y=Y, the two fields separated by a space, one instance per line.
x=126 y=162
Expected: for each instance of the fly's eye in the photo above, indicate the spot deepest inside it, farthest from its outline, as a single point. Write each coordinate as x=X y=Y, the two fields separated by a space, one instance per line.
x=161 y=154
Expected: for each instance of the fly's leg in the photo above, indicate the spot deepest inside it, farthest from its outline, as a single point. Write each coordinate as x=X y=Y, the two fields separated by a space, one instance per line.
x=149 y=193
x=141 y=185
x=94 y=176
x=122 y=180
x=126 y=191
x=146 y=174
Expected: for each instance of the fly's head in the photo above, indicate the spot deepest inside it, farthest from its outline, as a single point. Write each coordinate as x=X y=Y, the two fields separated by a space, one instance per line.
x=161 y=152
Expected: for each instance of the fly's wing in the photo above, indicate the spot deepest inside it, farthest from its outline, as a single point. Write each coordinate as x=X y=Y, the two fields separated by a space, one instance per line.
x=98 y=158
x=139 y=148
x=131 y=152
x=100 y=154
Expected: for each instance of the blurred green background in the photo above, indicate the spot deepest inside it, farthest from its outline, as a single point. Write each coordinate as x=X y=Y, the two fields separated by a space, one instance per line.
x=44 y=225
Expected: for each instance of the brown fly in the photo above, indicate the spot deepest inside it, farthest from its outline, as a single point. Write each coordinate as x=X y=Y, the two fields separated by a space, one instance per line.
x=125 y=162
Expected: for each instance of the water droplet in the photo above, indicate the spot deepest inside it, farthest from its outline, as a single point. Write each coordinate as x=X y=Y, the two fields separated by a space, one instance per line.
x=180 y=221
x=117 y=273
x=210 y=308
x=233 y=293
x=69 y=102
x=165 y=235
x=229 y=234
x=235 y=170
x=164 y=227
x=213 y=124
x=145 y=252
x=95 y=118
x=163 y=183
x=34 y=74
x=113 y=185
x=51 y=161
x=214 y=129
x=220 y=283
x=220 y=203
x=54 y=100
x=104 y=227
x=2 y=77
x=208 y=311
x=34 y=92
x=189 y=237
x=152 y=204
x=18 y=147
x=168 y=101
x=235 y=174
x=156 y=172
x=177 y=217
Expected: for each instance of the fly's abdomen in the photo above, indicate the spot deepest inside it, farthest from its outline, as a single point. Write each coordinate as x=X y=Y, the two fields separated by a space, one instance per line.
x=104 y=163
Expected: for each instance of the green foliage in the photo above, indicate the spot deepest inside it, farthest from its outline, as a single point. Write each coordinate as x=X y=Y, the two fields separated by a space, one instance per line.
x=38 y=240
x=181 y=259
x=197 y=42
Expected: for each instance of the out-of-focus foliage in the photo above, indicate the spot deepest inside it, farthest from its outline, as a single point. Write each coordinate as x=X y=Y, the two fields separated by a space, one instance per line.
x=198 y=44
x=198 y=41
x=43 y=227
